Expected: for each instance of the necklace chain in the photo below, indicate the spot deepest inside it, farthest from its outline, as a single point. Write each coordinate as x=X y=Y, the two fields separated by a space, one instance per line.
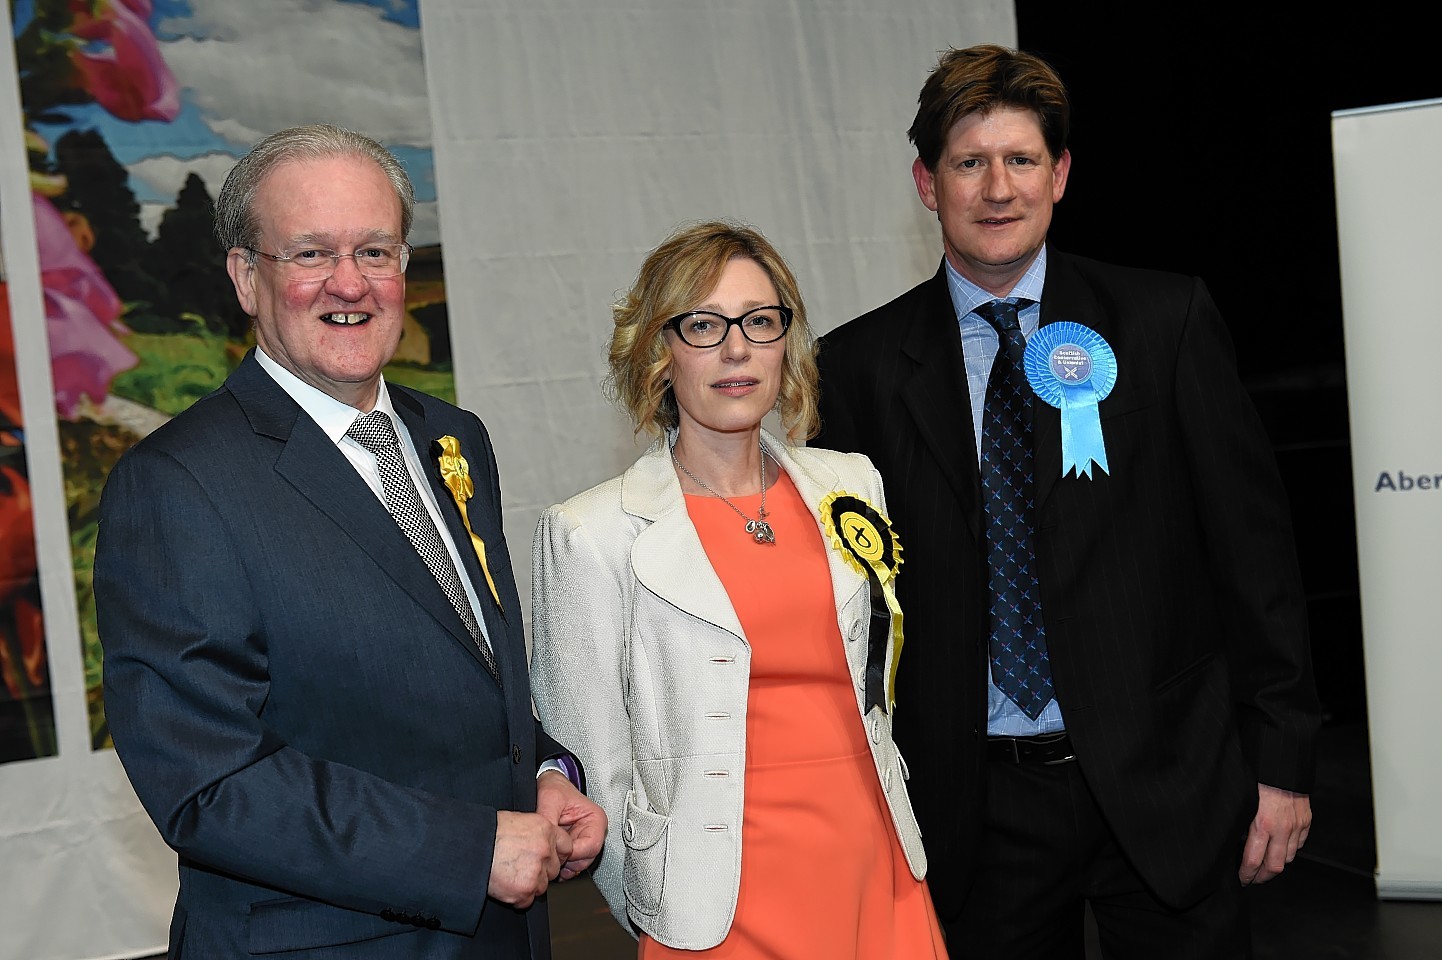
x=758 y=529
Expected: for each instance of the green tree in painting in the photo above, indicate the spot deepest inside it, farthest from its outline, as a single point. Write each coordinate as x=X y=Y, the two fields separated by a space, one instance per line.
x=99 y=188
x=191 y=266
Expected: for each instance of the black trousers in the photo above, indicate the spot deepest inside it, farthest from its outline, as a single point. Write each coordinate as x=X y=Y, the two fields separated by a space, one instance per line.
x=1046 y=852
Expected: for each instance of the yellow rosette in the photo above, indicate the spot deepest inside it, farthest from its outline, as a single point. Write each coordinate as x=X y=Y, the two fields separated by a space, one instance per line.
x=869 y=546
x=456 y=474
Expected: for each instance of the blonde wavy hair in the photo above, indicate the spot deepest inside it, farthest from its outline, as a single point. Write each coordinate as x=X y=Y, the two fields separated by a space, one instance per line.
x=677 y=276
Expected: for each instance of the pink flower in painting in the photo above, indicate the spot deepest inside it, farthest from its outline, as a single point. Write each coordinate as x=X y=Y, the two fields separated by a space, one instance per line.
x=82 y=314
x=126 y=75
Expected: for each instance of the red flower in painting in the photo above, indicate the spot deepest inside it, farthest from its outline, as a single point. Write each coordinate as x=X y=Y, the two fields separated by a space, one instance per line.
x=9 y=382
x=17 y=560
x=30 y=631
x=82 y=314
x=17 y=573
x=123 y=69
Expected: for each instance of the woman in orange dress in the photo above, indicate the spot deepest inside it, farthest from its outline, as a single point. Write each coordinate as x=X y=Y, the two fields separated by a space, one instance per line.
x=715 y=636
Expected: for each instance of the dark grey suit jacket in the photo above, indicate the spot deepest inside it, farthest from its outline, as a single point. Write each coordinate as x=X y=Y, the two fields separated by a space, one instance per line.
x=1175 y=615
x=297 y=704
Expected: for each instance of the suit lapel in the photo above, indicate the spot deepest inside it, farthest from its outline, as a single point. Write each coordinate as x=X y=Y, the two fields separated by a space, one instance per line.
x=937 y=398
x=310 y=462
x=1065 y=296
x=413 y=416
x=667 y=557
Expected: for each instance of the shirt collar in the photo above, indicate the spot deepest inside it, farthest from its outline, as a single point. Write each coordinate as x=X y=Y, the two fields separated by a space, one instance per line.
x=332 y=416
x=967 y=296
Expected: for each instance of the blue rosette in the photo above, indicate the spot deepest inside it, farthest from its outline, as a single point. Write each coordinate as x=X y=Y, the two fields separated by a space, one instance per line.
x=1072 y=368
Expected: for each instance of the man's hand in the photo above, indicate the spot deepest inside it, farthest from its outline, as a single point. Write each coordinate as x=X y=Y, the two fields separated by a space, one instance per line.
x=558 y=800
x=528 y=855
x=1278 y=831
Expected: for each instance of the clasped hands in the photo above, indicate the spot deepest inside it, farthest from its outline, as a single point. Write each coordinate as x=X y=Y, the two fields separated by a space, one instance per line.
x=560 y=839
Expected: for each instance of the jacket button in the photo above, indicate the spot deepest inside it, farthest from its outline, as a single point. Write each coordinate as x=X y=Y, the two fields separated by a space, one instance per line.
x=516 y=752
x=388 y=915
x=433 y=923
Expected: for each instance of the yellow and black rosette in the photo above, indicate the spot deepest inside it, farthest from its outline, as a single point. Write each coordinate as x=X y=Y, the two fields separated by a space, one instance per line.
x=456 y=474
x=868 y=544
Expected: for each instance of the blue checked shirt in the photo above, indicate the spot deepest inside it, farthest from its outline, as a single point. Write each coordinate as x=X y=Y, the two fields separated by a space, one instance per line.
x=979 y=343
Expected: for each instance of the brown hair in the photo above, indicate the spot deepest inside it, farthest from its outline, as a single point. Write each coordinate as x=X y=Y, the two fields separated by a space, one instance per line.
x=980 y=79
x=674 y=278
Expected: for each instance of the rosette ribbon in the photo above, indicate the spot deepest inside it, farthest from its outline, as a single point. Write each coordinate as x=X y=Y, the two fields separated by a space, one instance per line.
x=456 y=474
x=1072 y=368
x=869 y=546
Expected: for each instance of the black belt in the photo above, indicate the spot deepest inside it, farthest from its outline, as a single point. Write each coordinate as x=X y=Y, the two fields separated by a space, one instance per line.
x=1049 y=748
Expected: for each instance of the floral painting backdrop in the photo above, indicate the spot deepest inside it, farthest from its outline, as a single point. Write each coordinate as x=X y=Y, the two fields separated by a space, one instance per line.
x=134 y=111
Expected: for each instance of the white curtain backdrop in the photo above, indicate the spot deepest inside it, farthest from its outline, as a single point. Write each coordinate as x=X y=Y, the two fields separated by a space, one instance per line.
x=570 y=136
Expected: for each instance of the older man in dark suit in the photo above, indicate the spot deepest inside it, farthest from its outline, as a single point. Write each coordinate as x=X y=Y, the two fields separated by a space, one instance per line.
x=314 y=668
x=1106 y=695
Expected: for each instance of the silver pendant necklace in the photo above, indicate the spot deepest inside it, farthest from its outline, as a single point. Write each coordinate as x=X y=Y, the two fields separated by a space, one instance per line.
x=758 y=529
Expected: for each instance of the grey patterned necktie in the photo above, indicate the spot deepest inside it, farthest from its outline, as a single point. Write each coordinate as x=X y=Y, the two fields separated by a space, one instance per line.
x=374 y=432
x=1020 y=667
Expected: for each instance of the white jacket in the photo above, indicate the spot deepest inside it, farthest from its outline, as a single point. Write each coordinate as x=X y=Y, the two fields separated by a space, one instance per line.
x=641 y=668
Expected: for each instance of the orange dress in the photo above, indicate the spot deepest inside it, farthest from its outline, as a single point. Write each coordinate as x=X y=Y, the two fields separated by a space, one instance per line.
x=822 y=871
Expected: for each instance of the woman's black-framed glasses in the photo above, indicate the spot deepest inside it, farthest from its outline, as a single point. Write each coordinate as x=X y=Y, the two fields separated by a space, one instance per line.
x=702 y=328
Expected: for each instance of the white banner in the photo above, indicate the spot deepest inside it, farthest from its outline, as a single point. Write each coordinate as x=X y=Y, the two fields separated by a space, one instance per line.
x=1389 y=224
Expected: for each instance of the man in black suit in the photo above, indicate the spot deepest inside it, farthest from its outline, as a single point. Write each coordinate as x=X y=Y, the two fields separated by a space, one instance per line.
x=1106 y=693
x=314 y=668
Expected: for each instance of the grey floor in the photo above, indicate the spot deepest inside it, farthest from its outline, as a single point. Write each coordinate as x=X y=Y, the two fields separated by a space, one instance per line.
x=1323 y=908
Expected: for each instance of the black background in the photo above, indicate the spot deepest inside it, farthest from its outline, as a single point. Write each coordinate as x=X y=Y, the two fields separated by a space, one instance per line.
x=1201 y=143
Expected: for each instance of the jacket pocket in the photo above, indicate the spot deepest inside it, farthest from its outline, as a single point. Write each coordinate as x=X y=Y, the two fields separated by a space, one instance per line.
x=644 y=875
x=1187 y=673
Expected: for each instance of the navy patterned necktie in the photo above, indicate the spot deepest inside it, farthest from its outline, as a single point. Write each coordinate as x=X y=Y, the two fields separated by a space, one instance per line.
x=374 y=432
x=1019 y=665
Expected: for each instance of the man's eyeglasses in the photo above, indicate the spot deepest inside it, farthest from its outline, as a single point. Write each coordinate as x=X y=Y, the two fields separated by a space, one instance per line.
x=374 y=260
x=702 y=328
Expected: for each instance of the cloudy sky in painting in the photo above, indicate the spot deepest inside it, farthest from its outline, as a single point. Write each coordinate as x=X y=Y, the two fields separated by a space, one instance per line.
x=248 y=69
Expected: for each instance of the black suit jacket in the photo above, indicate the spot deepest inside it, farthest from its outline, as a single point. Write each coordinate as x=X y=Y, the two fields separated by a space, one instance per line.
x=1174 y=611
x=300 y=709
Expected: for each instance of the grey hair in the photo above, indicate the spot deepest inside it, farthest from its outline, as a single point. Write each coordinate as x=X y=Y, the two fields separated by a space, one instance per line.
x=235 y=220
